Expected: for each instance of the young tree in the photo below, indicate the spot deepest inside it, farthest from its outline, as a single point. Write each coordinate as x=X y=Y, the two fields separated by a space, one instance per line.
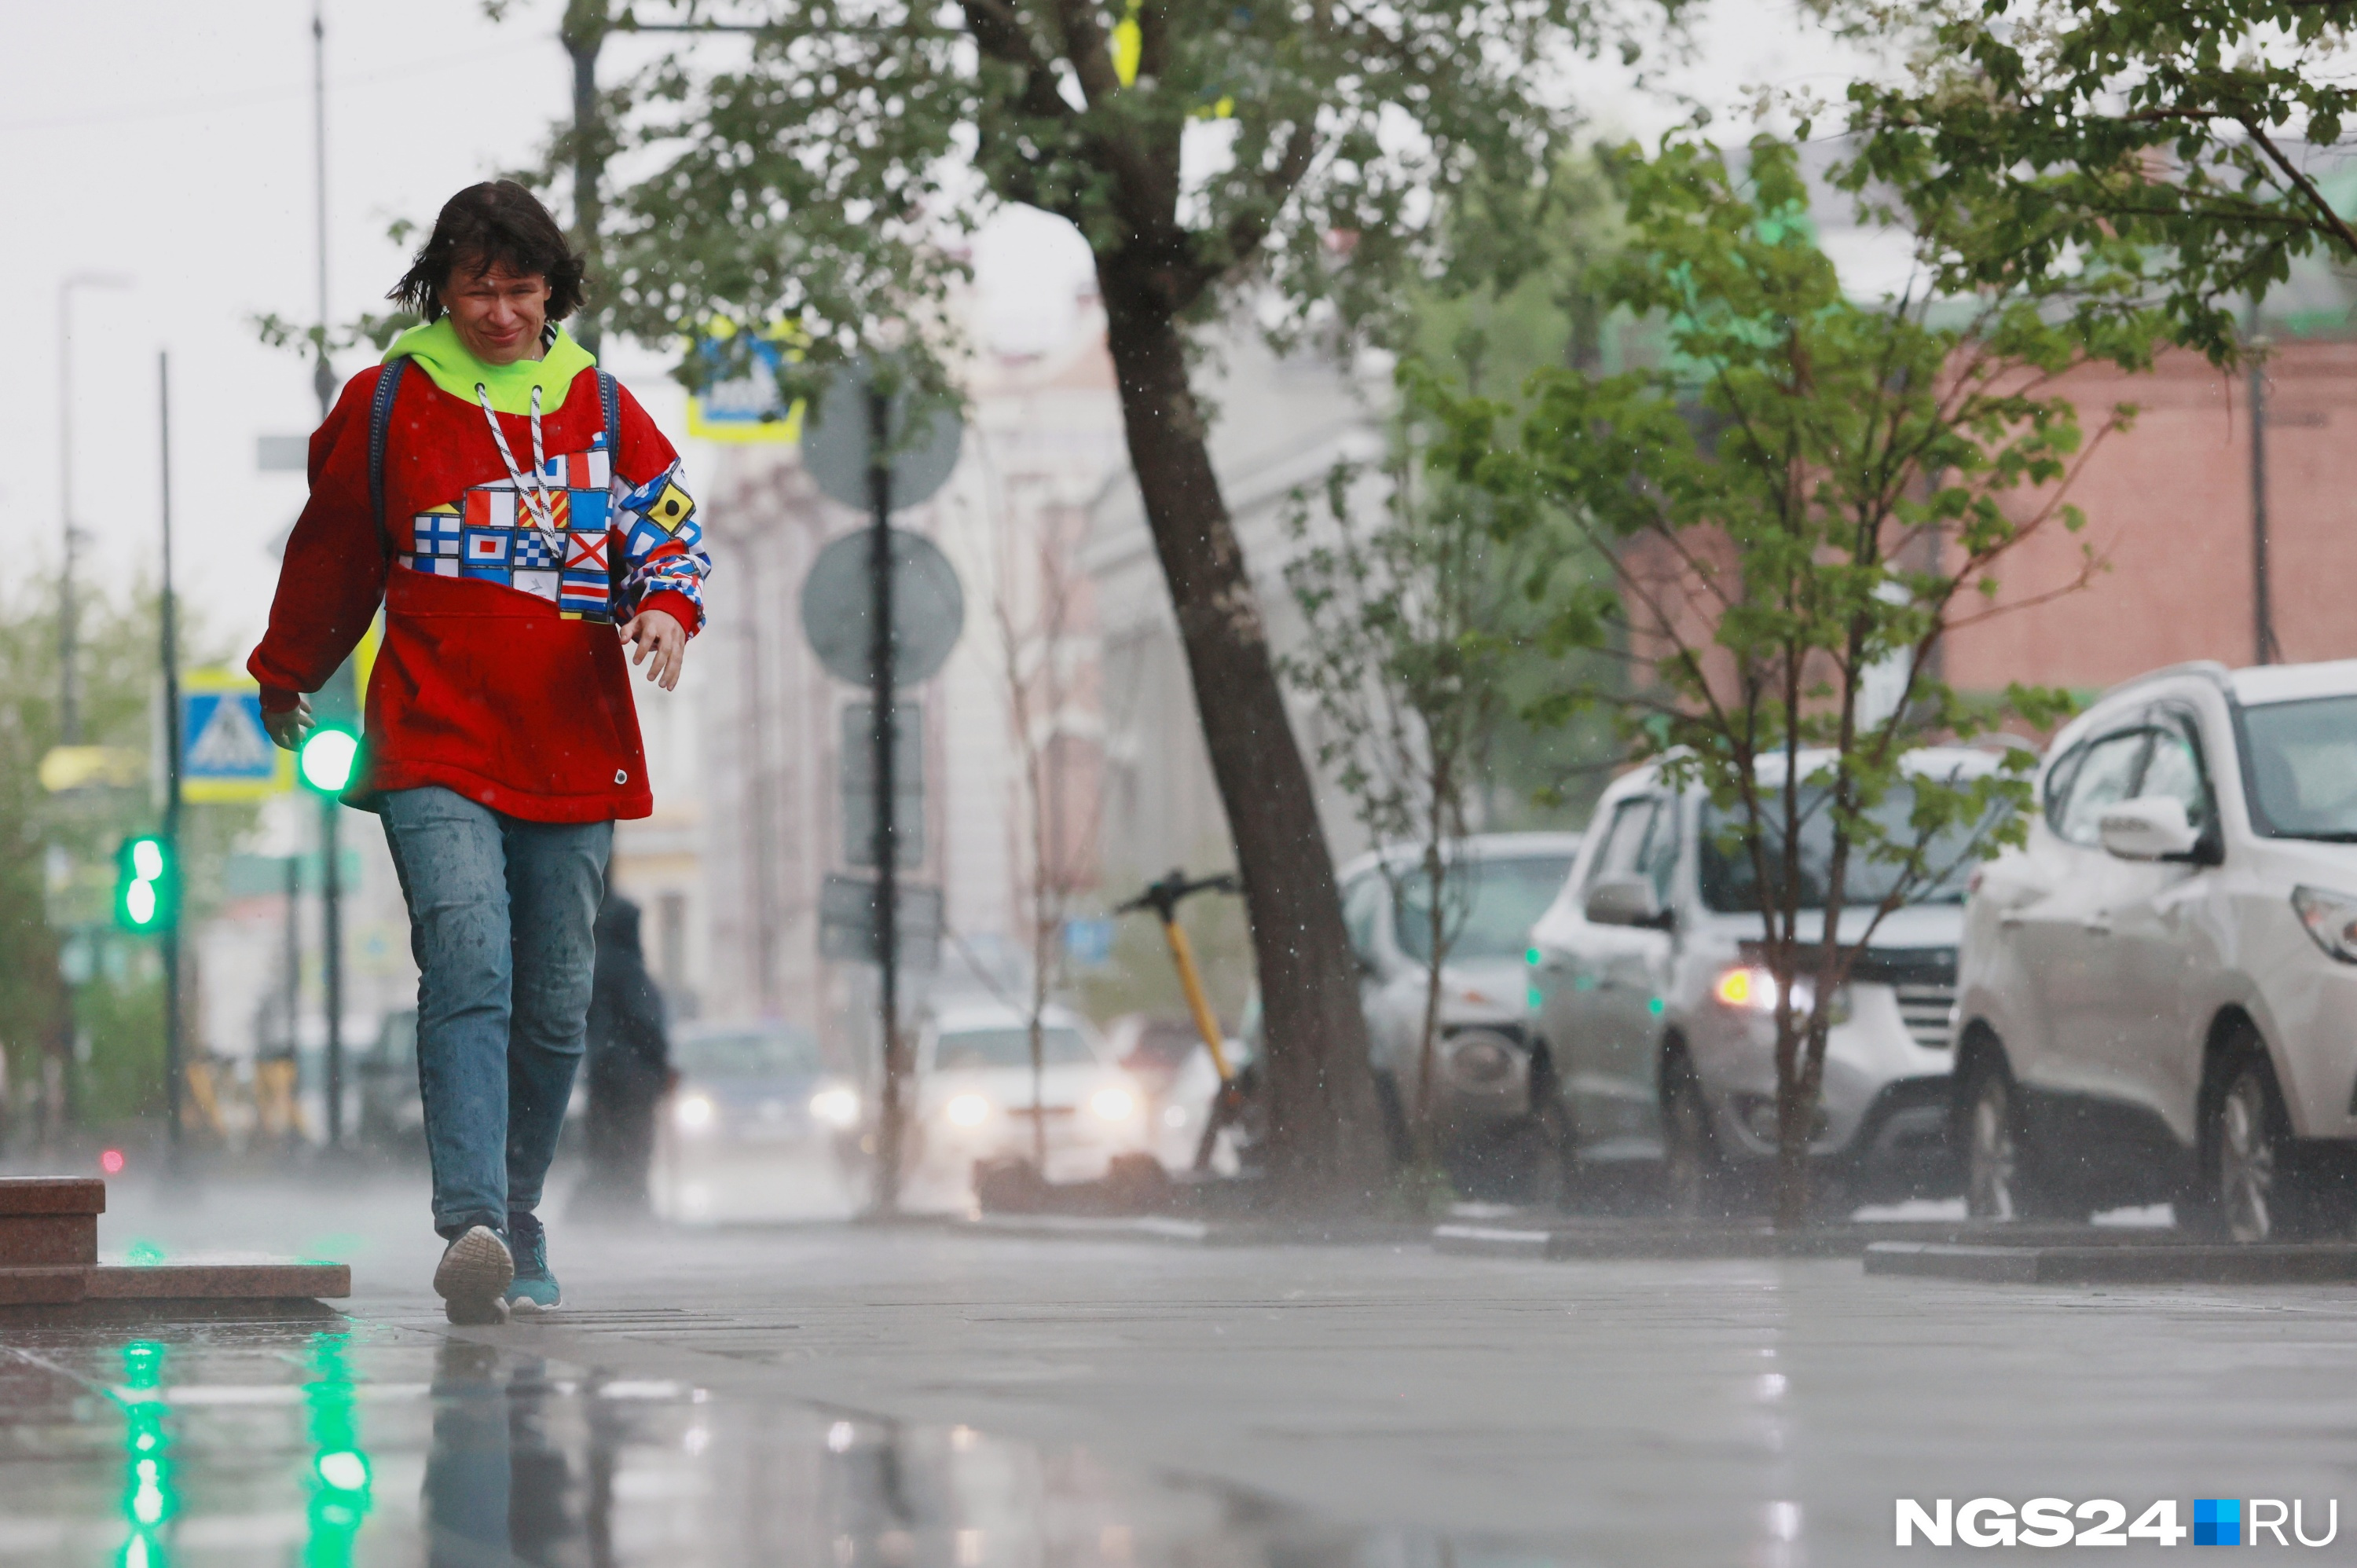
x=1800 y=507
x=1406 y=656
x=2157 y=140
x=1294 y=156
x=1036 y=608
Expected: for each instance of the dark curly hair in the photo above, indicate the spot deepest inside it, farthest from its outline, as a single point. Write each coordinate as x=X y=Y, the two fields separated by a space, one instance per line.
x=496 y=225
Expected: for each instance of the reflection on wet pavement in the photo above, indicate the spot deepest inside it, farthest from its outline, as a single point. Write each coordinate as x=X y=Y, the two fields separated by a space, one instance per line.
x=351 y=1443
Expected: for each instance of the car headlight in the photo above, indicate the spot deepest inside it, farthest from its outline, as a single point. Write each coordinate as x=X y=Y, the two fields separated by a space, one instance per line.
x=834 y=1106
x=1480 y=1060
x=1750 y=988
x=967 y=1111
x=694 y=1112
x=2330 y=919
x=1114 y=1104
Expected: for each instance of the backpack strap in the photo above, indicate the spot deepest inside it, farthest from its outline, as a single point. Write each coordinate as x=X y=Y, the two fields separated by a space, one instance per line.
x=388 y=385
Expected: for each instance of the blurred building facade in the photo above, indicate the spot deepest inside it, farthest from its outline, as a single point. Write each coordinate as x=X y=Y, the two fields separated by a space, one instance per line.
x=759 y=820
x=1280 y=424
x=2170 y=553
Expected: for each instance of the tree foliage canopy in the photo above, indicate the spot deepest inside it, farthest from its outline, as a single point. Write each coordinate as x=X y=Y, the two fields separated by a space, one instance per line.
x=1316 y=144
x=2164 y=152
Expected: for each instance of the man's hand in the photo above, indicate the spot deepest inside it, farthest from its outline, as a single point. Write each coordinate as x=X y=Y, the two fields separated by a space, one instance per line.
x=655 y=632
x=288 y=727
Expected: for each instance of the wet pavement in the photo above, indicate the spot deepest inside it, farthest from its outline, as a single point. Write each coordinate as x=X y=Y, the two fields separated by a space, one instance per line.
x=909 y=1398
x=249 y=1443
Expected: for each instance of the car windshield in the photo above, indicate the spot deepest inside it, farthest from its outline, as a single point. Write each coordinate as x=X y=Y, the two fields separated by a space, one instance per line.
x=1492 y=901
x=979 y=1050
x=2303 y=768
x=764 y=1053
x=1730 y=886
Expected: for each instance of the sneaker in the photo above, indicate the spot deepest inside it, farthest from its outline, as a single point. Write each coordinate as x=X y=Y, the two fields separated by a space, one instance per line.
x=473 y=1278
x=533 y=1290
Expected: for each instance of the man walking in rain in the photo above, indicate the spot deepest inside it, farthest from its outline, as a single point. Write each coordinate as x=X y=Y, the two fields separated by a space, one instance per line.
x=629 y=1069
x=521 y=522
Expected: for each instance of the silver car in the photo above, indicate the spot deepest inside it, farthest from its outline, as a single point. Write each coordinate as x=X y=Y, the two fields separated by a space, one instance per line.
x=1647 y=993
x=1496 y=1110
x=2158 y=987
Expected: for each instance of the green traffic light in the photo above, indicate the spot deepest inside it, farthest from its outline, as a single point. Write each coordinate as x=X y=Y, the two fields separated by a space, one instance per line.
x=327 y=759
x=146 y=897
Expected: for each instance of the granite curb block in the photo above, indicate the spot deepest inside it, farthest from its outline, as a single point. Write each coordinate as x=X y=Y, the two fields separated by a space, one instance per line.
x=2192 y=1264
x=48 y=1262
x=49 y=1221
x=1604 y=1240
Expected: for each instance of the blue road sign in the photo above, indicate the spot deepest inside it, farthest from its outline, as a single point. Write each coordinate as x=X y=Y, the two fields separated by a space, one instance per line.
x=1088 y=943
x=225 y=754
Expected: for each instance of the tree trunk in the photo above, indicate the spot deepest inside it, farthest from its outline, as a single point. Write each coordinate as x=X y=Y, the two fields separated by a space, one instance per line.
x=1324 y=1128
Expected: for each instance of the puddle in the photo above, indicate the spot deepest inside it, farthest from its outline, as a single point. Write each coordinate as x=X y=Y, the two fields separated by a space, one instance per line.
x=368 y=1444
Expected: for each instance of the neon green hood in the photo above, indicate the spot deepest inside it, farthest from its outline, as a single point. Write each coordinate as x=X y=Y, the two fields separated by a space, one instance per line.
x=438 y=353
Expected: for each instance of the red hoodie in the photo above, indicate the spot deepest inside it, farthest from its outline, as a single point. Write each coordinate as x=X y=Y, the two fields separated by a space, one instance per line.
x=501 y=677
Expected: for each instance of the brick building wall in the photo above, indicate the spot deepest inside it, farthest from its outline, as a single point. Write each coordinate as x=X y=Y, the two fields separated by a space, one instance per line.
x=2168 y=514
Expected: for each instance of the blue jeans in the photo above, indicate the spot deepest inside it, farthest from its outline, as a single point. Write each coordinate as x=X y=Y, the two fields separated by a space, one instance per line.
x=501 y=912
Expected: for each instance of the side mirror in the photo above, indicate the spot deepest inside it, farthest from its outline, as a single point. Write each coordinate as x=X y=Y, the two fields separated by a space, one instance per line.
x=1624 y=901
x=2150 y=827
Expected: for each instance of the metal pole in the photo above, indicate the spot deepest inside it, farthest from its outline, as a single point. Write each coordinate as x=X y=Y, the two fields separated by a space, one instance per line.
x=170 y=654
x=295 y=952
x=68 y=718
x=323 y=374
x=888 y=888
x=583 y=33
x=2263 y=616
x=331 y=936
x=68 y=639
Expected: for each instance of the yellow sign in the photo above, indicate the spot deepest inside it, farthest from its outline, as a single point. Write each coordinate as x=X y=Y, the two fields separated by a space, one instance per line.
x=746 y=409
x=65 y=768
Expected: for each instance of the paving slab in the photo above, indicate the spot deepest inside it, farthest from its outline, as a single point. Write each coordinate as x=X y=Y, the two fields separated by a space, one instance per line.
x=818 y=1396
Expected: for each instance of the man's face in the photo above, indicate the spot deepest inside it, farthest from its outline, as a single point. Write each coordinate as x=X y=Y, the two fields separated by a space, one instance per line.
x=498 y=315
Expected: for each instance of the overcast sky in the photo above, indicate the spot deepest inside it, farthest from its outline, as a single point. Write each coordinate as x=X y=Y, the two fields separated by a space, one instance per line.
x=170 y=144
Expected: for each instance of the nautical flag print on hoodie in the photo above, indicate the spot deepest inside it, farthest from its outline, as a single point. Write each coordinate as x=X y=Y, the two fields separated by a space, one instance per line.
x=502 y=675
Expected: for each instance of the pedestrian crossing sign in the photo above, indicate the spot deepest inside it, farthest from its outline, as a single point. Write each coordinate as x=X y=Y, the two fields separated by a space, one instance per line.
x=225 y=754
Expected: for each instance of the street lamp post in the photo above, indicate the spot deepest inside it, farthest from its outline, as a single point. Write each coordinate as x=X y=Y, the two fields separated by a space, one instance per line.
x=173 y=1072
x=323 y=374
x=69 y=693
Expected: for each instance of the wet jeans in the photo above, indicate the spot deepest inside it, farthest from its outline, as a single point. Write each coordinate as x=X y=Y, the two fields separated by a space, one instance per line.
x=500 y=913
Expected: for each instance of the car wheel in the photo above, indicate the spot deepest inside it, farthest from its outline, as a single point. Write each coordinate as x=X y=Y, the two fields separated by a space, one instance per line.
x=1692 y=1177
x=1991 y=1139
x=2249 y=1190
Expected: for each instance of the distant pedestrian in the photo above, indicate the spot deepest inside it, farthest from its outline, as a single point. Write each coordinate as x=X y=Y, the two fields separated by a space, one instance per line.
x=510 y=506
x=630 y=1069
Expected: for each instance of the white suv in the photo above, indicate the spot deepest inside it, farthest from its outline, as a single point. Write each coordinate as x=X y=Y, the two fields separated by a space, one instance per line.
x=2158 y=996
x=1647 y=991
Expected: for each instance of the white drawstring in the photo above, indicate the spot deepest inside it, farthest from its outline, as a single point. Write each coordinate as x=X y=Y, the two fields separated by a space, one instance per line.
x=541 y=510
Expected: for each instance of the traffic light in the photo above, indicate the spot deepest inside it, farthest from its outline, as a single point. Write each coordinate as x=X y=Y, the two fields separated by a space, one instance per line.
x=147 y=885
x=326 y=759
